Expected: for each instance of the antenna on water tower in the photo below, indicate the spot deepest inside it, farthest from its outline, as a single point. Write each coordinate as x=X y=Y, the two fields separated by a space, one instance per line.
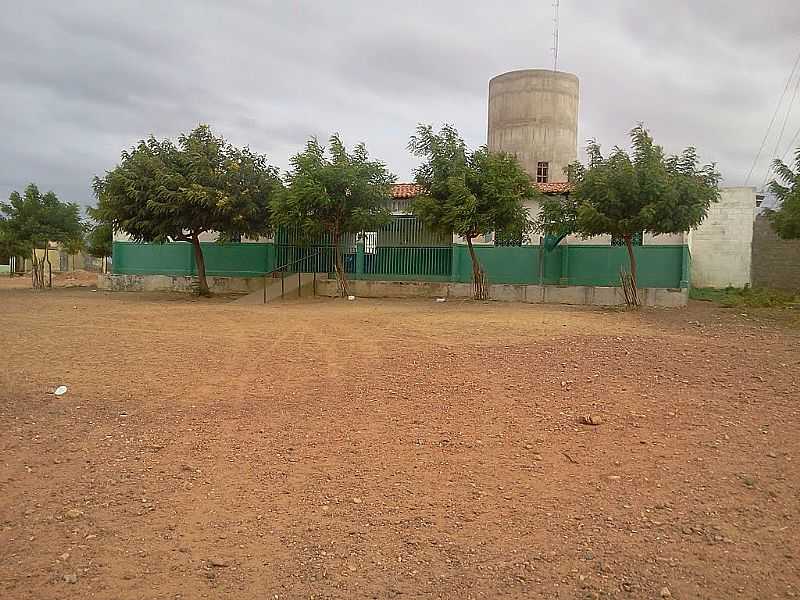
x=555 y=35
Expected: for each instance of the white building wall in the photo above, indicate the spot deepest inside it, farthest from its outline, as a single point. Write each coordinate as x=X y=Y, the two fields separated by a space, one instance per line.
x=665 y=239
x=533 y=207
x=721 y=245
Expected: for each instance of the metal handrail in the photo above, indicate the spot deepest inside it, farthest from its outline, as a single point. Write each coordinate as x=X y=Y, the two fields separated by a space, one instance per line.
x=284 y=273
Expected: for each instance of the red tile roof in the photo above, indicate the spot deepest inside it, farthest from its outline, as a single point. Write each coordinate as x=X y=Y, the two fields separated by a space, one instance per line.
x=406 y=190
x=411 y=190
x=555 y=187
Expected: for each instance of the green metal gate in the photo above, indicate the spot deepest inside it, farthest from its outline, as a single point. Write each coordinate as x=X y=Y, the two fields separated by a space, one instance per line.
x=405 y=249
x=401 y=249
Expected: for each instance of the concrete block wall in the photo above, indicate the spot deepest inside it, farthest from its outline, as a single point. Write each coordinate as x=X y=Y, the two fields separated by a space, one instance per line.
x=721 y=246
x=776 y=262
x=532 y=294
x=176 y=283
x=550 y=294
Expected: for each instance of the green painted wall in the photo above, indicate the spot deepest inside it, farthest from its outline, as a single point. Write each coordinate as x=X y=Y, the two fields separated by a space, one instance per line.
x=503 y=264
x=238 y=260
x=658 y=266
x=228 y=260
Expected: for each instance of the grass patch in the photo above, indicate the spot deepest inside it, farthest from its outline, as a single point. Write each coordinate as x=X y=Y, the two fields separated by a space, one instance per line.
x=745 y=297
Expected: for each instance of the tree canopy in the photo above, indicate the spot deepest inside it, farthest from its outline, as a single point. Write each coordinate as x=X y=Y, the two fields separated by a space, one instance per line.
x=99 y=240
x=32 y=220
x=469 y=193
x=161 y=192
x=785 y=218
x=625 y=195
x=334 y=192
x=75 y=244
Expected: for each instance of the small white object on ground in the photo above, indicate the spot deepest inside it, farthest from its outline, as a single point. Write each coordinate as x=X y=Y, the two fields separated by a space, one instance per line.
x=60 y=390
x=441 y=299
x=351 y=297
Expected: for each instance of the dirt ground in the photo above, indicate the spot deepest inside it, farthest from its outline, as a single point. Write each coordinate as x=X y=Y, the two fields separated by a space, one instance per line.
x=394 y=449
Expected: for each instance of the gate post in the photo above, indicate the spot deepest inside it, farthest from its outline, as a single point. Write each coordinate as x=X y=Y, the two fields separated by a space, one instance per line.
x=686 y=266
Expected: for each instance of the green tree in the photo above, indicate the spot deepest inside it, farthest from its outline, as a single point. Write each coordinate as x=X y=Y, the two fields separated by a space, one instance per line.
x=74 y=245
x=161 y=192
x=334 y=193
x=626 y=195
x=10 y=246
x=33 y=220
x=99 y=241
x=786 y=218
x=469 y=193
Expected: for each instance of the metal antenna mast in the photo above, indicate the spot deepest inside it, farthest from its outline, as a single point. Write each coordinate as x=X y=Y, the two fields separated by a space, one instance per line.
x=555 y=35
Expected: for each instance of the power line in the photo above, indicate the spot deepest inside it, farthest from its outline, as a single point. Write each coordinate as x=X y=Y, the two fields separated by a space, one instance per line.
x=772 y=120
x=783 y=127
x=791 y=145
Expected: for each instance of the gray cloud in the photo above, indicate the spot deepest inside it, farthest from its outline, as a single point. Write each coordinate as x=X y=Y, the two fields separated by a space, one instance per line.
x=83 y=80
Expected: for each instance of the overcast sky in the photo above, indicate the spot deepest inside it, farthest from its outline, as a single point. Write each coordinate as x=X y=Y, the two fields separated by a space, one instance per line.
x=82 y=80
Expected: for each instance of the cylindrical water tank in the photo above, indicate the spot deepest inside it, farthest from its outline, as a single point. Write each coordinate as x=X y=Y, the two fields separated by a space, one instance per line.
x=533 y=114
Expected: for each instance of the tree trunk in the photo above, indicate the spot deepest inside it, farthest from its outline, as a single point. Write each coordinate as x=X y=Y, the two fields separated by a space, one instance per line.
x=34 y=269
x=481 y=291
x=200 y=262
x=341 y=276
x=632 y=295
x=37 y=272
x=49 y=267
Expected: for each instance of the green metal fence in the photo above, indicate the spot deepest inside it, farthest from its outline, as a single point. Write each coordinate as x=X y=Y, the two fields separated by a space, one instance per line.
x=292 y=246
x=403 y=248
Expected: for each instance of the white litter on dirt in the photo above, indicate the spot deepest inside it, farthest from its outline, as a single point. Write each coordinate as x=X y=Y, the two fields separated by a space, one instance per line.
x=351 y=297
x=60 y=390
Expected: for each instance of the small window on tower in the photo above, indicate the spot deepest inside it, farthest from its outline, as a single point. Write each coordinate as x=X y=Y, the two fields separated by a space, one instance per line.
x=542 y=169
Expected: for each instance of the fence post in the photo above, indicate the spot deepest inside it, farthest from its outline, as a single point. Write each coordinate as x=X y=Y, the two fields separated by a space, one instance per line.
x=360 y=257
x=541 y=260
x=564 y=280
x=455 y=261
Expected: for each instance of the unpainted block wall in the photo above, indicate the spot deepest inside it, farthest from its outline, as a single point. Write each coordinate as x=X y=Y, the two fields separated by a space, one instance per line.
x=776 y=262
x=721 y=245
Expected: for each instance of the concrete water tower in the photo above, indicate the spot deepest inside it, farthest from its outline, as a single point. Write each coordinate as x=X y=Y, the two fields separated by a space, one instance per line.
x=533 y=114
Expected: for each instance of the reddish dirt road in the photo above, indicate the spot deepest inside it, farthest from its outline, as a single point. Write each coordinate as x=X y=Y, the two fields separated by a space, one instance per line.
x=382 y=449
